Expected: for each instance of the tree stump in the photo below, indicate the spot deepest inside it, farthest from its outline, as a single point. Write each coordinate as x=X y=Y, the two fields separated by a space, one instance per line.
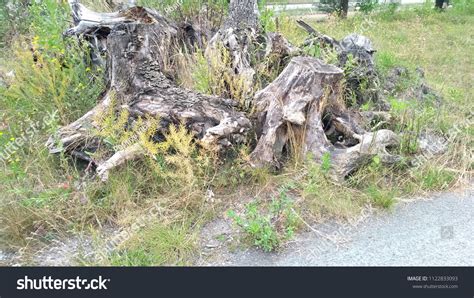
x=302 y=112
x=301 y=108
x=139 y=45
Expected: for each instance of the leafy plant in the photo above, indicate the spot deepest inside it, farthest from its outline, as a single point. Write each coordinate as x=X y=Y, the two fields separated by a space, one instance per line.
x=50 y=73
x=13 y=20
x=326 y=163
x=213 y=75
x=268 y=227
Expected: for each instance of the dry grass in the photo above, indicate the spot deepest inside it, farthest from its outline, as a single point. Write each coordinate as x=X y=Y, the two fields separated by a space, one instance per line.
x=48 y=197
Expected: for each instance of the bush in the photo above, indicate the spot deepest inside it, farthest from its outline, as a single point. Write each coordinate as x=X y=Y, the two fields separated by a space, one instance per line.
x=51 y=84
x=50 y=73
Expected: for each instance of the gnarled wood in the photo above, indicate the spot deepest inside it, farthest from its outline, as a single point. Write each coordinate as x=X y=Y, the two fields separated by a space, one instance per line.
x=362 y=80
x=139 y=45
x=301 y=112
x=305 y=100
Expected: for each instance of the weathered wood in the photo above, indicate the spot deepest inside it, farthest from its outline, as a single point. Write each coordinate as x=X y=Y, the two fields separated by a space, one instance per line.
x=247 y=43
x=139 y=45
x=301 y=104
x=302 y=112
x=243 y=14
x=238 y=35
x=362 y=80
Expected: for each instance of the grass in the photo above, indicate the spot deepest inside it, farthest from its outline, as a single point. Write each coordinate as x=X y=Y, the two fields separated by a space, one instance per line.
x=325 y=199
x=157 y=245
x=47 y=197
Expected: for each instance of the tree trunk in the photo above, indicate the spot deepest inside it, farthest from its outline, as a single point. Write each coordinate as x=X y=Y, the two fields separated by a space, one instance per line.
x=439 y=4
x=343 y=8
x=243 y=14
x=247 y=44
x=237 y=36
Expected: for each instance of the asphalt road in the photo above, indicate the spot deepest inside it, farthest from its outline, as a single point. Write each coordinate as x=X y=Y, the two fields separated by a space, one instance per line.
x=433 y=232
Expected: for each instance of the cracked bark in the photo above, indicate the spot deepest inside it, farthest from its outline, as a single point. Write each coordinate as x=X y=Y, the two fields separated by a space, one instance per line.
x=139 y=45
x=302 y=112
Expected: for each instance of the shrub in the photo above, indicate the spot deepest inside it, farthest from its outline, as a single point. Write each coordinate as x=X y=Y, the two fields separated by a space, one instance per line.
x=50 y=73
x=213 y=75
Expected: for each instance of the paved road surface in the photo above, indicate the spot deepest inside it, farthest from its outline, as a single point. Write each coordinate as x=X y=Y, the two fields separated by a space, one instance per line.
x=435 y=232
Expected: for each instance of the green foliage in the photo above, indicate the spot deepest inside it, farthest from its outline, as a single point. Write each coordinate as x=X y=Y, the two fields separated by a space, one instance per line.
x=385 y=61
x=329 y=5
x=49 y=19
x=322 y=196
x=326 y=163
x=52 y=84
x=388 y=12
x=52 y=75
x=13 y=20
x=213 y=75
x=410 y=118
x=213 y=10
x=326 y=54
x=464 y=7
x=55 y=75
x=201 y=74
x=367 y=6
x=268 y=227
x=267 y=16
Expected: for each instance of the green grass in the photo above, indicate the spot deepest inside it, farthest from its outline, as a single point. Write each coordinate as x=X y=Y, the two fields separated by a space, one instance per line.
x=157 y=245
x=381 y=197
x=41 y=192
